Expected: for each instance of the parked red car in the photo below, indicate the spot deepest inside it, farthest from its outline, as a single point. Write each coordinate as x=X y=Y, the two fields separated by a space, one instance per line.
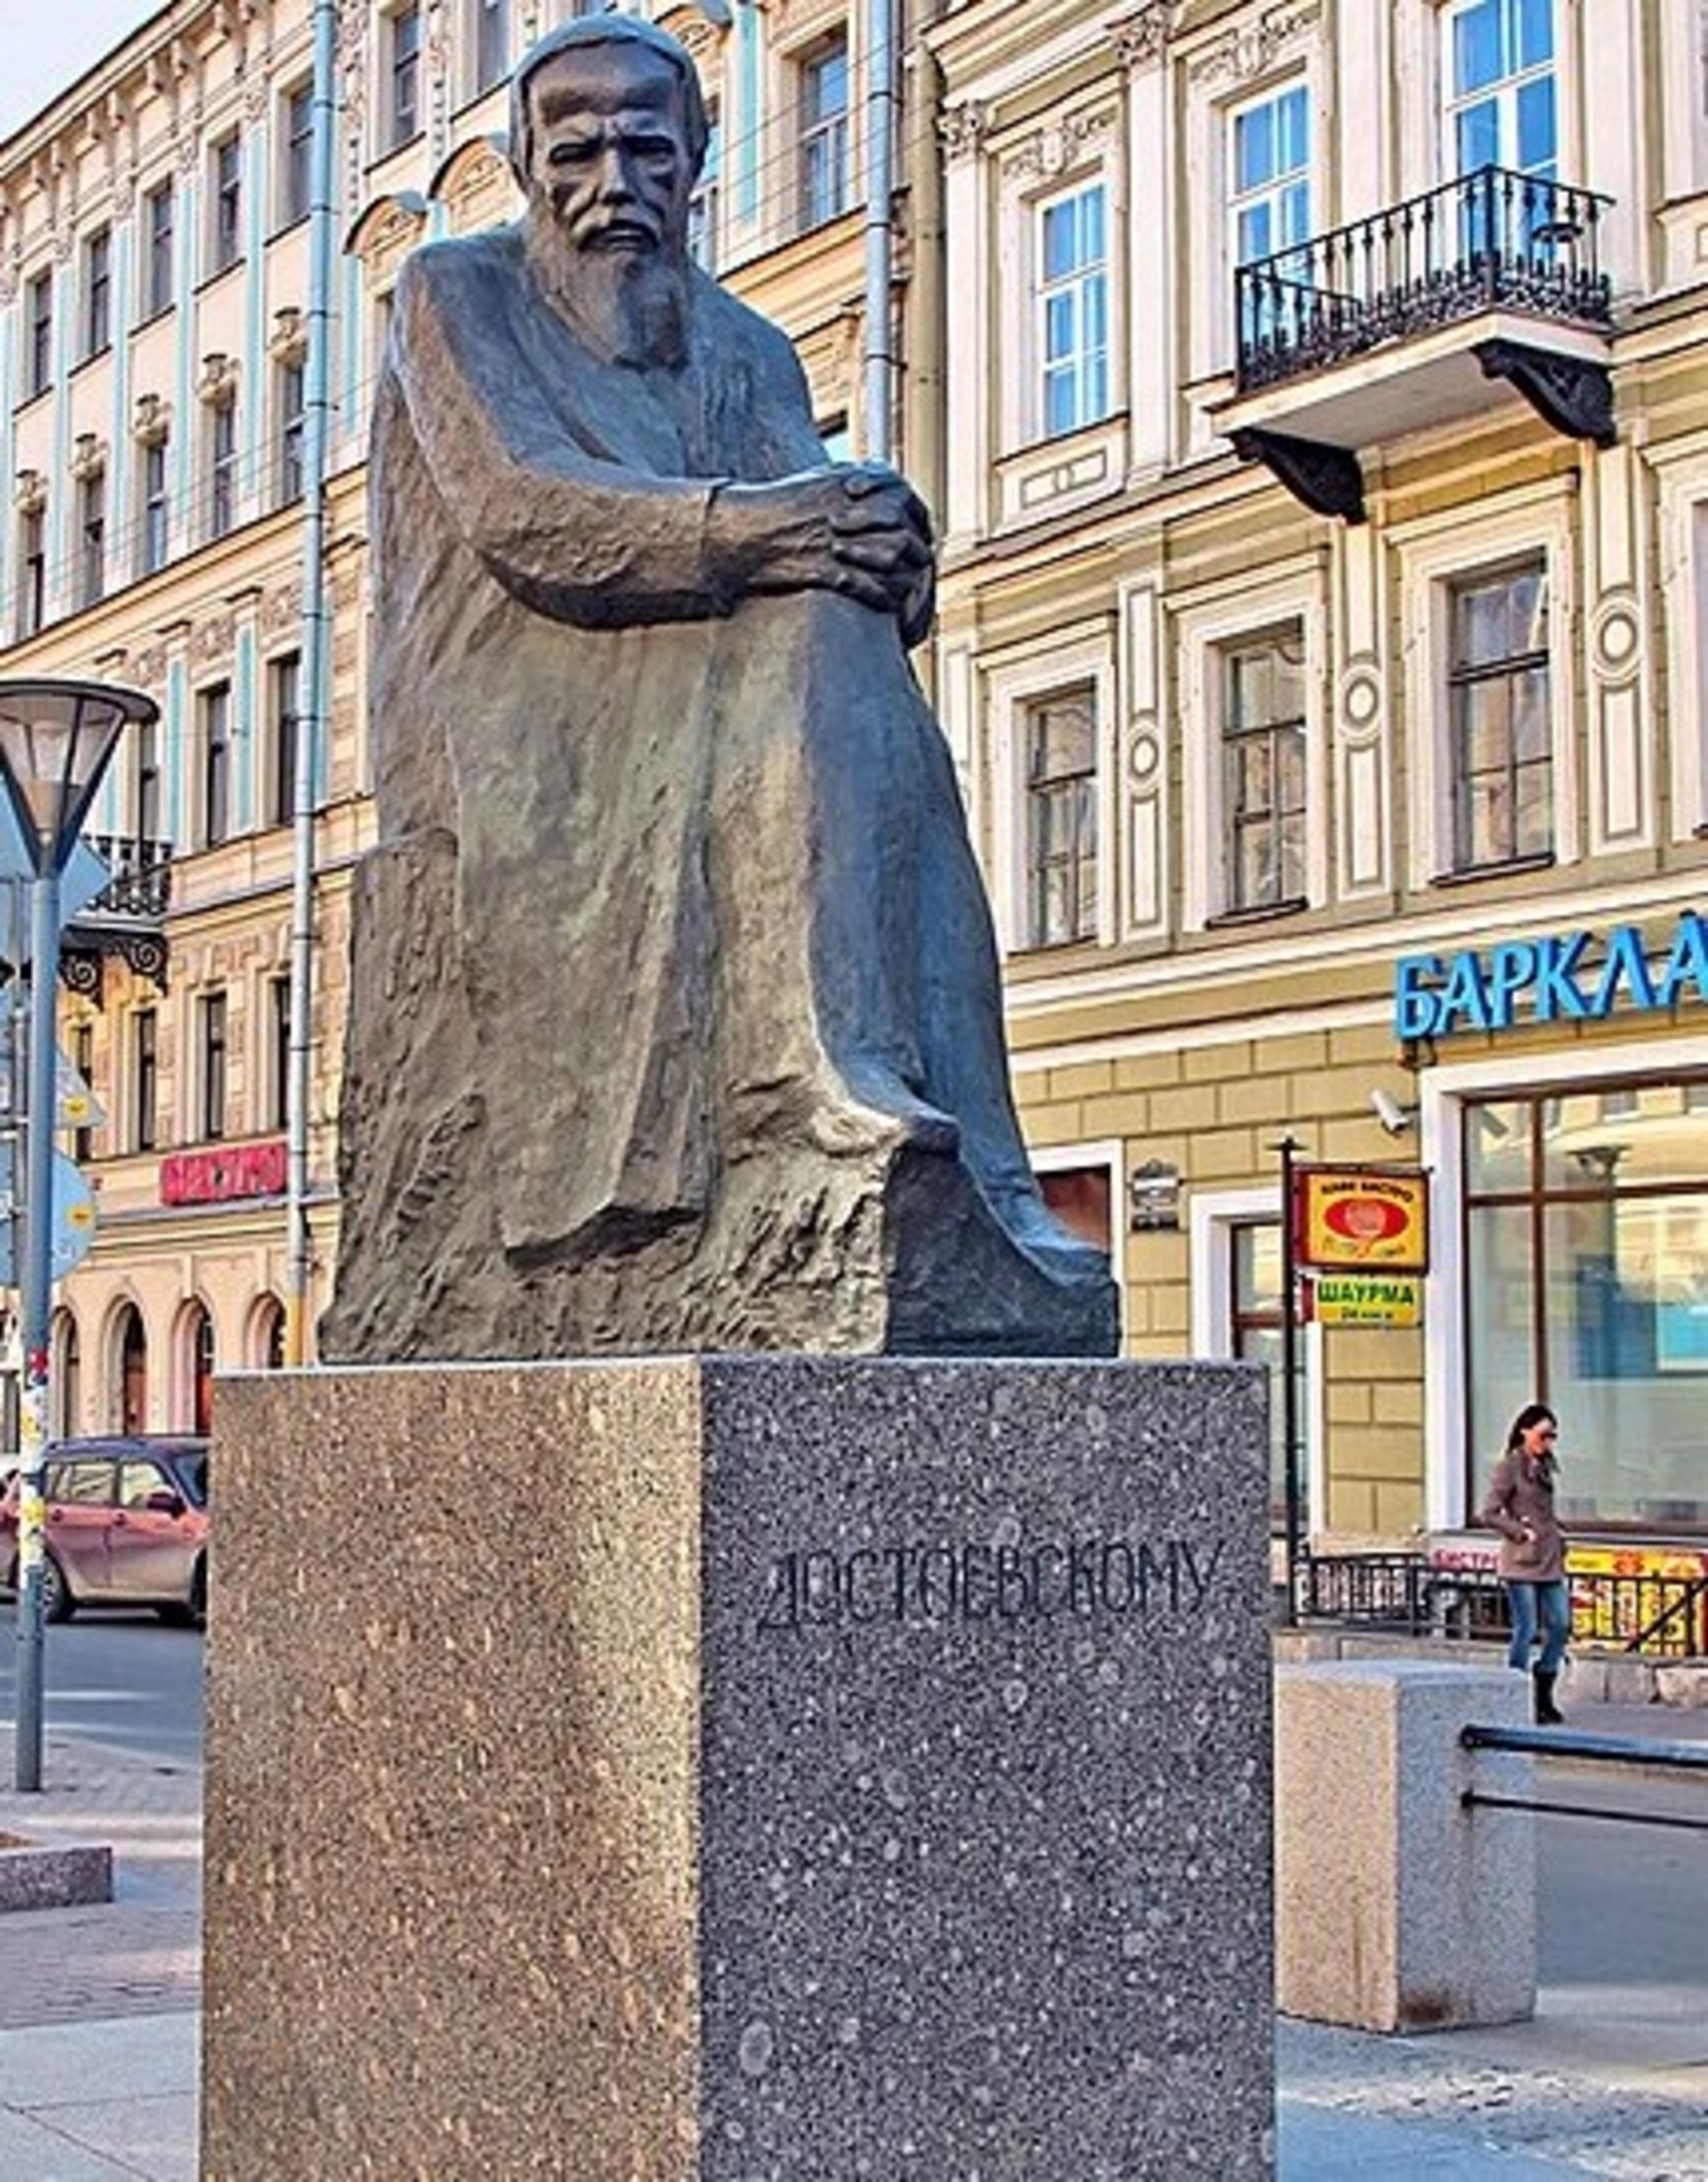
x=127 y=1525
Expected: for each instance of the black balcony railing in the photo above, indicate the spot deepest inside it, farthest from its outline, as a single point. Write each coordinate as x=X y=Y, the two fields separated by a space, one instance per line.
x=1490 y=240
x=141 y=886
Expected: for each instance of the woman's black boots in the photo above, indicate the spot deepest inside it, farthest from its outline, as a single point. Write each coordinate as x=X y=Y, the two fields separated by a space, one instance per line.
x=1548 y=1714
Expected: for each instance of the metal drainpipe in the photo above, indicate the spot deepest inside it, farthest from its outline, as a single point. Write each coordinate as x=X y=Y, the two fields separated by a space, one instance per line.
x=881 y=112
x=314 y=707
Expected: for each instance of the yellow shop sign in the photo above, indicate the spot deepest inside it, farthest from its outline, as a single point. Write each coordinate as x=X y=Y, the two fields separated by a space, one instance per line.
x=1367 y=1299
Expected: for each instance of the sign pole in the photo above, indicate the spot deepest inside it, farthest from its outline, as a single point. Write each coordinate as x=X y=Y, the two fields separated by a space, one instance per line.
x=1290 y=1377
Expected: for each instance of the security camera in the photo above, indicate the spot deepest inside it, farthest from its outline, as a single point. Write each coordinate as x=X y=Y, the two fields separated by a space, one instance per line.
x=1394 y=1117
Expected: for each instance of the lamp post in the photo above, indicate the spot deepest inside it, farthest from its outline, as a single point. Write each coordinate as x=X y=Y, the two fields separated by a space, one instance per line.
x=56 y=741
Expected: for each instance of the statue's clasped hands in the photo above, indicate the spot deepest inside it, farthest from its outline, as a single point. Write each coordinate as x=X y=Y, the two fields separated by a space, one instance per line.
x=858 y=527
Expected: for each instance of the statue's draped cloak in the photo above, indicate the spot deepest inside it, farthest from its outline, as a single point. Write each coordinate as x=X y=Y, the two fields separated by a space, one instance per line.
x=647 y=781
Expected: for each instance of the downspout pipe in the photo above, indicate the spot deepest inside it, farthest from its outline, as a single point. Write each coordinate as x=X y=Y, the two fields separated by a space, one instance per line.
x=314 y=707
x=882 y=104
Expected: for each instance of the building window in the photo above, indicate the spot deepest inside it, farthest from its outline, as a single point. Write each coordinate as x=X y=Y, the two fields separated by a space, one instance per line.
x=202 y=1360
x=1270 y=210
x=1264 y=770
x=91 y=538
x=215 y=708
x=1500 y=90
x=83 y=1061
x=279 y=1075
x=160 y=214
x=1501 y=757
x=284 y=677
x=211 y=1042
x=1587 y=1287
x=491 y=43
x=823 y=103
x=225 y=233
x=32 y=571
x=1061 y=824
x=1255 y=1321
x=1073 y=310
x=154 y=535
x=296 y=166
x=403 y=74
x=38 y=335
x=288 y=386
x=67 y=1382
x=97 y=291
x=145 y=1080
x=703 y=205
x=145 y=779
x=222 y=468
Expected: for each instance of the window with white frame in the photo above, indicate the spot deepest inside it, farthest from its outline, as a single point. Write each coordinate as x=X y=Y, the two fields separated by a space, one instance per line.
x=159 y=223
x=91 y=537
x=144 y=739
x=1265 y=769
x=491 y=43
x=821 y=99
x=1073 y=309
x=703 y=205
x=1501 y=92
x=1501 y=758
x=222 y=468
x=154 y=512
x=1060 y=753
x=32 y=571
x=296 y=154
x=402 y=35
x=288 y=385
x=1268 y=140
x=214 y=739
x=284 y=712
x=225 y=209
x=38 y=335
x=211 y=1042
x=97 y=291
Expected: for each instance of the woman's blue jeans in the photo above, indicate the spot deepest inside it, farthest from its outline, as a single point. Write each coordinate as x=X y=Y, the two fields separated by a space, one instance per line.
x=1550 y=1601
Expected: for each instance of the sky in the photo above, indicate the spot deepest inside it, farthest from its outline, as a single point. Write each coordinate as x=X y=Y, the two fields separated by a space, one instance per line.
x=49 y=44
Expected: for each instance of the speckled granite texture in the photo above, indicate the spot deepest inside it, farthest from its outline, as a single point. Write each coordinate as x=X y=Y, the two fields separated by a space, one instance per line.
x=1398 y=1909
x=762 y=1769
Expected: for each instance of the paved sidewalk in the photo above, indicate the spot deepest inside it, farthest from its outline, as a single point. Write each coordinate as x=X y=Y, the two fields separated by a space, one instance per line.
x=99 y=2029
x=99 y=2023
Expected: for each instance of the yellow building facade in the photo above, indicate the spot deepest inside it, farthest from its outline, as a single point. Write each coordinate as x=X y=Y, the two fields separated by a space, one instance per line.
x=1322 y=645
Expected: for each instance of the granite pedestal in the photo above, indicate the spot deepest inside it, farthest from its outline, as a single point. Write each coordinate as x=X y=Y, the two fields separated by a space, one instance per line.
x=740 y=1770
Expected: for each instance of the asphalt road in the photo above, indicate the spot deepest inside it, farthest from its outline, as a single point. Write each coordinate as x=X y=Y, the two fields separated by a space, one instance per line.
x=121 y=1678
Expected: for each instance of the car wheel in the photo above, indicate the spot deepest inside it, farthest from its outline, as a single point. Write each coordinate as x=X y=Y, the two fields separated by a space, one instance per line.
x=57 y=1602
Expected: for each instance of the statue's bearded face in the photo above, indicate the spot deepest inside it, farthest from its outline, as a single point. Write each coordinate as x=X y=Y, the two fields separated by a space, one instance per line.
x=610 y=160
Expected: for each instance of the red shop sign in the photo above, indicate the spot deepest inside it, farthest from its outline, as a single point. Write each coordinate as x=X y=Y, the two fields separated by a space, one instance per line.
x=216 y=1177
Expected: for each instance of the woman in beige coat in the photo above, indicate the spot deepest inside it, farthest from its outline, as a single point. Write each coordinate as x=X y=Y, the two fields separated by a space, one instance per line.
x=1520 y=1506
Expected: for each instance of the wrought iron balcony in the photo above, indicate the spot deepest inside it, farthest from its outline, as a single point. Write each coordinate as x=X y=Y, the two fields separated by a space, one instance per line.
x=141 y=886
x=124 y=920
x=1492 y=240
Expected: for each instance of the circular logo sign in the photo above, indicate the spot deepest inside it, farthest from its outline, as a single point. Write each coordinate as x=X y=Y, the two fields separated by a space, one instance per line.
x=1364 y=1219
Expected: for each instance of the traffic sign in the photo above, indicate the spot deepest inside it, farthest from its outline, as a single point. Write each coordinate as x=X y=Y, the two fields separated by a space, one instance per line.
x=74 y=1216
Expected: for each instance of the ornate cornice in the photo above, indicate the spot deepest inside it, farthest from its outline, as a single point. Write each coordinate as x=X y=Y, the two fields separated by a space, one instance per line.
x=151 y=421
x=289 y=340
x=1052 y=150
x=30 y=492
x=962 y=129
x=1253 y=48
x=88 y=456
x=1144 y=37
x=218 y=384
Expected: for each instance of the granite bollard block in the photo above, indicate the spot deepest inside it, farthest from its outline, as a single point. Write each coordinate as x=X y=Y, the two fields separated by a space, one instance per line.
x=759 y=1769
x=1398 y=1909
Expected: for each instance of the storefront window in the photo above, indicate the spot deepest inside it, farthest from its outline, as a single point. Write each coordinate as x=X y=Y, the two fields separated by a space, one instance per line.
x=1256 y=1325
x=1587 y=1287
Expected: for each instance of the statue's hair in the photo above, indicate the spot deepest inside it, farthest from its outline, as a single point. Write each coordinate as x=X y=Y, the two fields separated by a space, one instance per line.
x=604 y=31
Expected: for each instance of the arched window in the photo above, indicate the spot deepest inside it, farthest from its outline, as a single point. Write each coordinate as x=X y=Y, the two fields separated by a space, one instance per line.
x=66 y=1385
x=266 y=1335
x=131 y=1352
x=198 y=1354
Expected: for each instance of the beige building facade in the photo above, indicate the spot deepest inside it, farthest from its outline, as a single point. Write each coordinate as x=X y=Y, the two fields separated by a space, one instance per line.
x=1322 y=645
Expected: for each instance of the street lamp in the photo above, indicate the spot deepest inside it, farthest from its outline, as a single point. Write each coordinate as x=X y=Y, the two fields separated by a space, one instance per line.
x=56 y=741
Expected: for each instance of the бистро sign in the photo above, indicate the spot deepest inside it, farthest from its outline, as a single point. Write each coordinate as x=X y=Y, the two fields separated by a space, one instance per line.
x=1558 y=978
